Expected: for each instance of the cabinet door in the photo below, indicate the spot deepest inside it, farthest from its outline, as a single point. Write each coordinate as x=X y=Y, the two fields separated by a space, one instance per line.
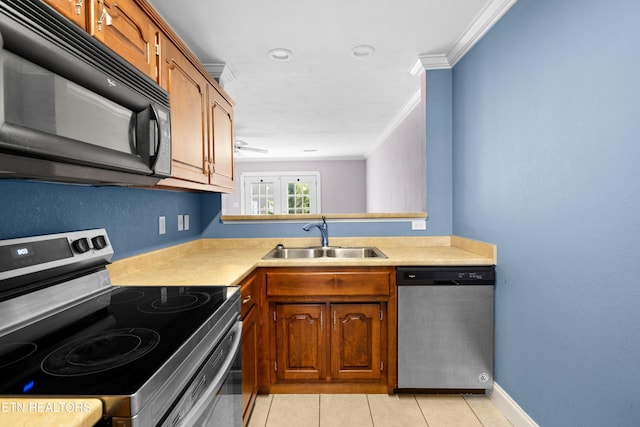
x=124 y=27
x=188 y=91
x=220 y=140
x=301 y=347
x=355 y=341
x=74 y=10
x=249 y=362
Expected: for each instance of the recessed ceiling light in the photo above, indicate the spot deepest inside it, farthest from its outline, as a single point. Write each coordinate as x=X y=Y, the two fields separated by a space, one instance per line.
x=362 y=51
x=280 y=54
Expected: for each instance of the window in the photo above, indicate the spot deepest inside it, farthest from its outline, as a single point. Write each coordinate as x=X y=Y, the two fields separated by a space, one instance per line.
x=280 y=193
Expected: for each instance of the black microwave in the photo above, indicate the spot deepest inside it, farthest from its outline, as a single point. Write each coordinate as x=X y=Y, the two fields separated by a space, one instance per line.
x=71 y=110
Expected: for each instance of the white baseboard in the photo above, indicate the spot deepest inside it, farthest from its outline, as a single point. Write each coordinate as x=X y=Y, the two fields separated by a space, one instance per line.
x=509 y=408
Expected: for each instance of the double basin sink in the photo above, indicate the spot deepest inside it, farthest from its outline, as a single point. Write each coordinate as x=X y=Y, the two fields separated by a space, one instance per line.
x=280 y=252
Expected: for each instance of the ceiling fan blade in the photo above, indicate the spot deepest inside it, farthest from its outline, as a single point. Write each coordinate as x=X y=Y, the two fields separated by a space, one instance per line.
x=255 y=150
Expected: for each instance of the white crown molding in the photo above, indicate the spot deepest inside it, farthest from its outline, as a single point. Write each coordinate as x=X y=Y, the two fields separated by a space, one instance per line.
x=435 y=62
x=491 y=14
x=221 y=73
x=478 y=28
x=397 y=120
x=417 y=69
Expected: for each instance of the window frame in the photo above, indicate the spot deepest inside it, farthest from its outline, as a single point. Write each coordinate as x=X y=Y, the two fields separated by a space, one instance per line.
x=283 y=178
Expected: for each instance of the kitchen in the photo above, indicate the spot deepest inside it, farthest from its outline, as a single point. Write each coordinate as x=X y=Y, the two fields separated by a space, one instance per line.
x=539 y=159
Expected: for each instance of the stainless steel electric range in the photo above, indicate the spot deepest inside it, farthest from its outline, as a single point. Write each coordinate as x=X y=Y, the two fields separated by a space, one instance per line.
x=154 y=355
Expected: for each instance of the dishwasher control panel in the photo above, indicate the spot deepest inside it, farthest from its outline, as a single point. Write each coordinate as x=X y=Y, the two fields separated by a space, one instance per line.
x=482 y=275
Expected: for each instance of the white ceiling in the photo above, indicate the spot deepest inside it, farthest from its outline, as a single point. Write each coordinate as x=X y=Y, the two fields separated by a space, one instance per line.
x=323 y=98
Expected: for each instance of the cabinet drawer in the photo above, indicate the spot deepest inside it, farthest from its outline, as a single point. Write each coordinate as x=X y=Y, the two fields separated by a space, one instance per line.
x=328 y=283
x=248 y=294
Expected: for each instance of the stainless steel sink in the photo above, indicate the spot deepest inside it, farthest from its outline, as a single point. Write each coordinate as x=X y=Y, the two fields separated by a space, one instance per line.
x=369 y=252
x=280 y=252
x=295 y=253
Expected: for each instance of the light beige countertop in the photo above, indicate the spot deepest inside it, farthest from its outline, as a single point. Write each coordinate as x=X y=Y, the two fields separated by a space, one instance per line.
x=49 y=412
x=228 y=261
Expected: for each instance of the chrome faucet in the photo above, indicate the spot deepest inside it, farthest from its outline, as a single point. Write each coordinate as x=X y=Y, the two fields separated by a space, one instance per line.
x=324 y=229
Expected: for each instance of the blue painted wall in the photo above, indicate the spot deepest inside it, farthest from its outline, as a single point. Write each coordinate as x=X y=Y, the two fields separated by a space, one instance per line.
x=129 y=215
x=546 y=155
x=439 y=152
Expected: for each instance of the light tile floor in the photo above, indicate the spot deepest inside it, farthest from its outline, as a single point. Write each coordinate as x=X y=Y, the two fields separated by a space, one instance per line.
x=375 y=410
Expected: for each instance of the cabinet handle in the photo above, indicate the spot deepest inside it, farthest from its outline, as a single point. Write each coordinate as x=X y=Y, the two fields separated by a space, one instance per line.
x=246 y=300
x=334 y=320
x=103 y=16
x=320 y=320
x=78 y=7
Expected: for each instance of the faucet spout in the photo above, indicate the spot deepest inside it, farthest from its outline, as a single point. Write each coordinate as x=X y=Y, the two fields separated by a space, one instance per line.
x=324 y=231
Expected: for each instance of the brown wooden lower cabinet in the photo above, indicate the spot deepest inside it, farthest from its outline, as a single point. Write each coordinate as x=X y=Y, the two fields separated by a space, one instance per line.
x=249 y=314
x=356 y=339
x=329 y=330
x=320 y=341
x=249 y=362
x=301 y=344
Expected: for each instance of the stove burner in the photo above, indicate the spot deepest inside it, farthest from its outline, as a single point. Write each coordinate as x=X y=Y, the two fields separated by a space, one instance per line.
x=174 y=303
x=122 y=296
x=100 y=352
x=15 y=352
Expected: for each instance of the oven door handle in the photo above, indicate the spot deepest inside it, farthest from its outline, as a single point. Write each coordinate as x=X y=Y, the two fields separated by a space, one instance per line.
x=208 y=397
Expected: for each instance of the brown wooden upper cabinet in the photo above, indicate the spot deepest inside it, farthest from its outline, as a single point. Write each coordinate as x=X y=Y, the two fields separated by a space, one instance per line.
x=188 y=93
x=220 y=140
x=127 y=30
x=201 y=112
x=122 y=25
x=202 y=125
x=74 y=10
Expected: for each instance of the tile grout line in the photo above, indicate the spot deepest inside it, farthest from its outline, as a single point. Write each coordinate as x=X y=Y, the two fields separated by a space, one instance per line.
x=424 y=417
x=472 y=410
x=266 y=421
x=373 y=423
x=319 y=409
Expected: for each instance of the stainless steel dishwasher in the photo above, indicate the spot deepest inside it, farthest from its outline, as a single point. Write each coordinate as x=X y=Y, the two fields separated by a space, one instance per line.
x=445 y=327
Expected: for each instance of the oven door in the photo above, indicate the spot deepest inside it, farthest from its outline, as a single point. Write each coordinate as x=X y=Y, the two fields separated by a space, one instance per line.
x=214 y=397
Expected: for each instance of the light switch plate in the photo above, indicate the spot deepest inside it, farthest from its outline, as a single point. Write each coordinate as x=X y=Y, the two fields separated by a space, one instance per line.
x=186 y=222
x=162 y=225
x=180 y=222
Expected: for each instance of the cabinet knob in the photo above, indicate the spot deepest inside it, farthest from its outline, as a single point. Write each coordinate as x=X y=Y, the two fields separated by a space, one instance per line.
x=246 y=300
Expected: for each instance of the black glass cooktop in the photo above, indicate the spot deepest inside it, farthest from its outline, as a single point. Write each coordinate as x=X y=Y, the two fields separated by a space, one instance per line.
x=109 y=345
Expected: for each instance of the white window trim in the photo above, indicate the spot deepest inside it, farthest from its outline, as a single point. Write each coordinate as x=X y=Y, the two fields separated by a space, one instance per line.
x=245 y=175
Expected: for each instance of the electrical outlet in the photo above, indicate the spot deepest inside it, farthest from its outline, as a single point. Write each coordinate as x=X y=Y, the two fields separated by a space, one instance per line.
x=180 y=222
x=419 y=224
x=162 y=225
x=186 y=222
